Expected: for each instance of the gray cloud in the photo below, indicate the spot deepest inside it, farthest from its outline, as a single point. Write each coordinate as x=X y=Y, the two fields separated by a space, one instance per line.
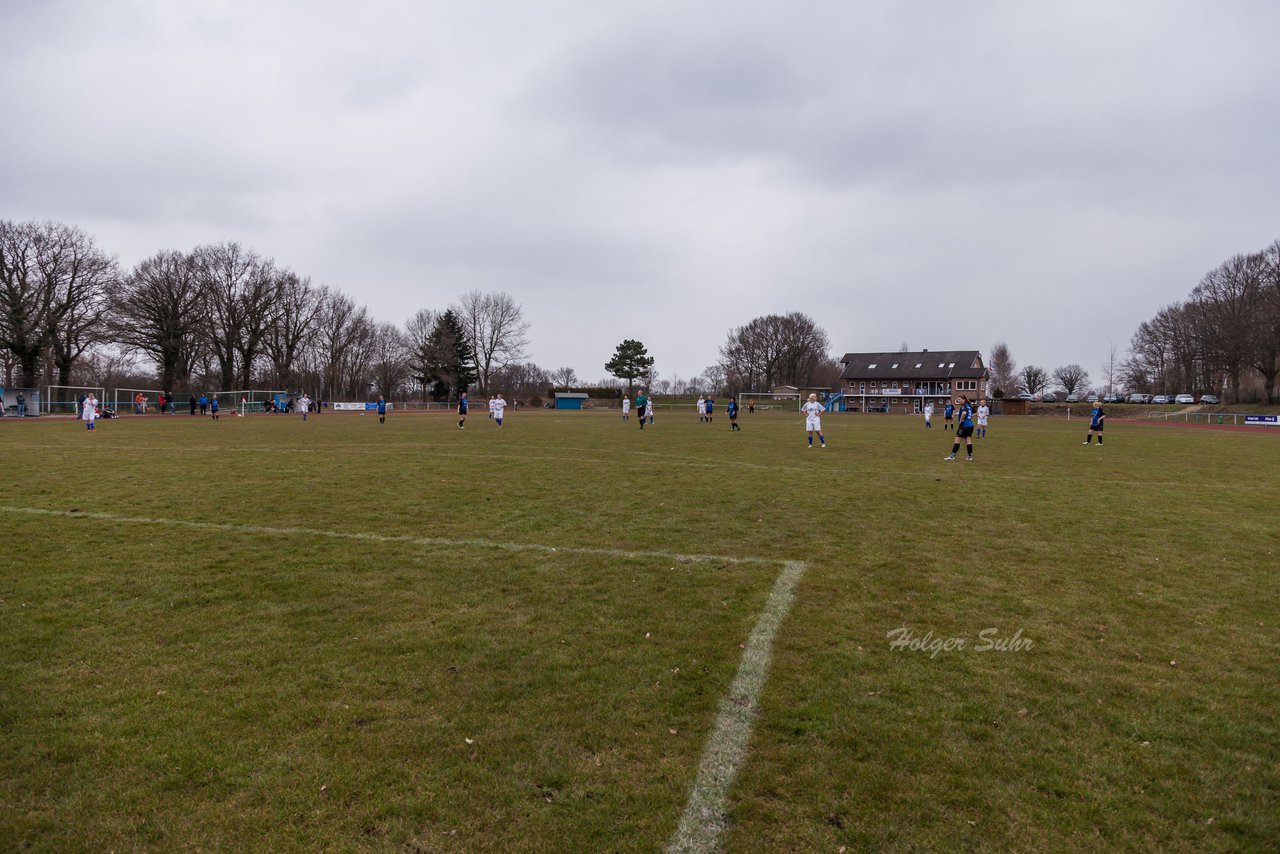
x=943 y=173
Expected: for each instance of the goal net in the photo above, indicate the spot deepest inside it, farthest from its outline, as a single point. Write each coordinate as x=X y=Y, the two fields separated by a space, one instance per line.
x=762 y=401
x=65 y=399
x=137 y=401
x=249 y=401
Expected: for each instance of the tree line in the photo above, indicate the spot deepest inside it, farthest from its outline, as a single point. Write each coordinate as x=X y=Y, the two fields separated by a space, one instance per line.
x=222 y=316
x=1226 y=332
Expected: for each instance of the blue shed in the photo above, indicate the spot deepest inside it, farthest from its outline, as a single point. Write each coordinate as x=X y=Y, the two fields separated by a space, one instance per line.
x=570 y=399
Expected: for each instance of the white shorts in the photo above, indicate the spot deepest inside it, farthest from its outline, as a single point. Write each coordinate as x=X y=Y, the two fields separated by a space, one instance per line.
x=813 y=422
x=982 y=422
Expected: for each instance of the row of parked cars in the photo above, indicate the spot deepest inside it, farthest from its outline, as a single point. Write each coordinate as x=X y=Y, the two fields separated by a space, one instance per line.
x=1163 y=399
x=1157 y=399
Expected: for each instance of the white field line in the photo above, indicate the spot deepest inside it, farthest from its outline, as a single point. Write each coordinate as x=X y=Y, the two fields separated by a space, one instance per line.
x=361 y=536
x=726 y=748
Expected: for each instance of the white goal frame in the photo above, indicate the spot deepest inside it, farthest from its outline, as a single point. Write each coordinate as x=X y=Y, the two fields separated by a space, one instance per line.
x=153 y=399
x=247 y=395
x=49 y=402
x=769 y=399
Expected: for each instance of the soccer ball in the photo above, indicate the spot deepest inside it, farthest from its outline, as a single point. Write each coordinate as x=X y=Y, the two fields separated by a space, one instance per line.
x=239 y=415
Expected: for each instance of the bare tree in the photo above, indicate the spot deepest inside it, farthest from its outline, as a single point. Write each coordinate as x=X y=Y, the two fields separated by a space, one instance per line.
x=80 y=278
x=24 y=301
x=1072 y=378
x=242 y=289
x=1266 y=346
x=564 y=377
x=772 y=350
x=496 y=331
x=1034 y=379
x=1003 y=370
x=525 y=380
x=298 y=306
x=1227 y=302
x=390 y=358
x=345 y=337
x=158 y=311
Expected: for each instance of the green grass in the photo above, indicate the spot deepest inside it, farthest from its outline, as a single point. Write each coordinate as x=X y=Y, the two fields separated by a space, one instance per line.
x=166 y=686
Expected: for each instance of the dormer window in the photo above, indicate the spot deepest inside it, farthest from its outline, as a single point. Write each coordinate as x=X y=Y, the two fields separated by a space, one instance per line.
x=895 y=364
x=871 y=367
x=952 y=365
x=918 y=365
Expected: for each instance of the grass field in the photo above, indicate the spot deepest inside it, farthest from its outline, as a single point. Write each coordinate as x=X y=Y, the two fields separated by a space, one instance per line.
x=263 y=634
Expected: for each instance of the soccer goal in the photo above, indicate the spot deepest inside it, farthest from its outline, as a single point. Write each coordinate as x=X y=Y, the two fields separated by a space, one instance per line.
x=65 y=399
x=762 y=401
x=124 y=401
x=248 y=401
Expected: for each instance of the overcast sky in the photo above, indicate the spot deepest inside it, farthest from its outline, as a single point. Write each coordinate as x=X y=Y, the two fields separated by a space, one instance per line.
x=941 y=173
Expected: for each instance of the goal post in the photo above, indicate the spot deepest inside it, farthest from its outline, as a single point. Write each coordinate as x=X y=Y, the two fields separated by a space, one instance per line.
x=125 y=401
x=763 y=401
x=249 y=400
x=65 y=399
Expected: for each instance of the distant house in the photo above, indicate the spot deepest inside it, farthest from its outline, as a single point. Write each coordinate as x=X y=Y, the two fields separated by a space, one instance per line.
x=904 y=382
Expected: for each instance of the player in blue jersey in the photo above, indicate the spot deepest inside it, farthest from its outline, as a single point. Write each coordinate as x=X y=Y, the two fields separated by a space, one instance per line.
x=1097 y=420
x=462 y=411
x=382 y=410
x=732 y=410
x=213 y=407
x=965 y=430
x=947 y=412
x=711 y=405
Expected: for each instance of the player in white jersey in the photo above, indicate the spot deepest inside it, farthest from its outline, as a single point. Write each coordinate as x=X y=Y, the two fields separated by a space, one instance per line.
x=813 y=419
x=928 y=415
x=90 y=411
x=648 y=410
x=304 y=405
x=496 y=406
x=984 y=412
x=626 y=408
x=702 y=408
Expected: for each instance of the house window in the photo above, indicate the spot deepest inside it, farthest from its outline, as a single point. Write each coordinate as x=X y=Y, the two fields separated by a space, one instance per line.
x=952 y=365
x=918 y=365
x=862 y=388
x=895 y=383
x=895 y=364
x=942 y=364
x=871 y=367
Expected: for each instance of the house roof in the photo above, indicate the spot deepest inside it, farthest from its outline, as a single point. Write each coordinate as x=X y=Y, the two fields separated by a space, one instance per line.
x=917 y=365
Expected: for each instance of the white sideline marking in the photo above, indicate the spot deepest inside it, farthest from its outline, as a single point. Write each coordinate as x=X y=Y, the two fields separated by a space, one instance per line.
x=726 y=748
x=382 y=538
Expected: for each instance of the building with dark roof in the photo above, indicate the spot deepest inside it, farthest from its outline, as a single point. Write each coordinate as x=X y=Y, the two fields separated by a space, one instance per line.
x=904 y=382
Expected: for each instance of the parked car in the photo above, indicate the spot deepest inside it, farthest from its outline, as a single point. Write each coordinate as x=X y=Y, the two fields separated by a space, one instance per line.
x=1138 y=397
x=1095 y=398
x=1026 y=396
x=1184 y=398
x=1112 y=398
x=1049 y=397
x=1160 y=399
x=1209 y=398
x=1073 y=398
